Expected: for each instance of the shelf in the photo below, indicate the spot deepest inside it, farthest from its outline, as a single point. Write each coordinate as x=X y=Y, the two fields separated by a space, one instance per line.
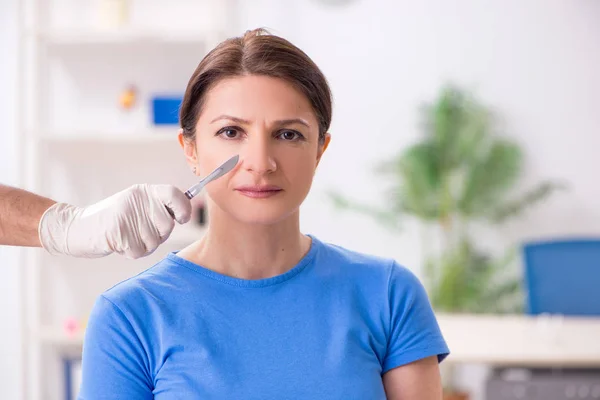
x=54 y=336
x=168 y=135
x=70 y=37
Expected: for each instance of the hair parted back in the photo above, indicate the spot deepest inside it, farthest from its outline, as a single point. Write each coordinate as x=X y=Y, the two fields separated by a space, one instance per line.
x=256 y=53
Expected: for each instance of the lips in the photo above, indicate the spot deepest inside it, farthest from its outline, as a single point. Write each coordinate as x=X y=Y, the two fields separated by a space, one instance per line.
x=259 y=191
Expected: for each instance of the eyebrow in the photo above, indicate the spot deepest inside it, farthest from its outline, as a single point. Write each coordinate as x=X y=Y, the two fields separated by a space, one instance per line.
x=281 y=122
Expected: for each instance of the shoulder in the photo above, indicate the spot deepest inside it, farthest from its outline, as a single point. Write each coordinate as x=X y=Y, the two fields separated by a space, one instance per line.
x=150 y=284
x=362 y=265
x=346 y=258
x=391 y=299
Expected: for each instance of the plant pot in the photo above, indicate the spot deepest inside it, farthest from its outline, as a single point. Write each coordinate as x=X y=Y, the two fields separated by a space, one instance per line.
x=452 y=395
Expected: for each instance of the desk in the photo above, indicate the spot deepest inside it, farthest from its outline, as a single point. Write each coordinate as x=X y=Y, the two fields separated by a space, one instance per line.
x=522 y=340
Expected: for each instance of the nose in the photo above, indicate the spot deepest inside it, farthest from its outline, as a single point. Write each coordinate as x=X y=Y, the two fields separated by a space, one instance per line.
x=257 y=156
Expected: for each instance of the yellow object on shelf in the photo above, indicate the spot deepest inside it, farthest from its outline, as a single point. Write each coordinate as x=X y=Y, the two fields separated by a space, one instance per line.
x=128 y=98
x=113 y=13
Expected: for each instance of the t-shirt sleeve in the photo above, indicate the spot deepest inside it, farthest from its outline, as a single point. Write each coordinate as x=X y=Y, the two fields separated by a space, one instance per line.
x=414 y=330
x=114 y=364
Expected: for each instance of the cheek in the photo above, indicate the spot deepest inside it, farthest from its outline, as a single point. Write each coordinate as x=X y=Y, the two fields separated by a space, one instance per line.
x=210 y=156
x=206 y=164
x=300 y=169
x=217 y=190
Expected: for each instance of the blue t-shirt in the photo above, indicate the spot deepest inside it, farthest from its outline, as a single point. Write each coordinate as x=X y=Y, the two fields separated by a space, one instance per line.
x=326 y=329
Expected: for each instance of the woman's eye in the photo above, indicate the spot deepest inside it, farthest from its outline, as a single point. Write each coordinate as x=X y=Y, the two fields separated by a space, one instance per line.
x=228 y=133
x=290 y=135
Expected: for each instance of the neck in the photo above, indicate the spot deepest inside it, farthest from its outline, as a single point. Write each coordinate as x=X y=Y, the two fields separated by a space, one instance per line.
x=249 y=251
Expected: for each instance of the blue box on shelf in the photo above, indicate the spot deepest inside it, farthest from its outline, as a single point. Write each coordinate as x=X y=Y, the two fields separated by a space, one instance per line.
x=165 y=110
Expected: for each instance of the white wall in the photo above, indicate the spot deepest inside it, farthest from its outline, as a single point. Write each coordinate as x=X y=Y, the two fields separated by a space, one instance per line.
x=10 y=339
x=535 y=62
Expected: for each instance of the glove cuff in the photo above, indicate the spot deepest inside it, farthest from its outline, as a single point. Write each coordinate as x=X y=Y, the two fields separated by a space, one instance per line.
x=53 y=229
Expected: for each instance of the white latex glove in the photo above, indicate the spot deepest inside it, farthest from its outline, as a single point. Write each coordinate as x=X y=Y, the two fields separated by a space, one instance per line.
x=133 y=223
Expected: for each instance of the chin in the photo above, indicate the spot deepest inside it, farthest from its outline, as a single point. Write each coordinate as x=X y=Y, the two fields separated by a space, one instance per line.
x=263 y=211
x=264 y=216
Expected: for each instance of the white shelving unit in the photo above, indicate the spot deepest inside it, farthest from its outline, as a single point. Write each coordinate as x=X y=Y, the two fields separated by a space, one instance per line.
x=142 y=137
x=79 y=146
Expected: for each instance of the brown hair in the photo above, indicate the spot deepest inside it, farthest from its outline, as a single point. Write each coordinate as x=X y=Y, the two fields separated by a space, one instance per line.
x=257 y=53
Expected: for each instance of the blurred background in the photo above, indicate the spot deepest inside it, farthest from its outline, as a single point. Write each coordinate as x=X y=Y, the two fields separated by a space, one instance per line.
x=464 y=145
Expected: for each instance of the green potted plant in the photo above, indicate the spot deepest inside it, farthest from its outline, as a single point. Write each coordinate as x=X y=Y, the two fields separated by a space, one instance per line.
x=458 y=174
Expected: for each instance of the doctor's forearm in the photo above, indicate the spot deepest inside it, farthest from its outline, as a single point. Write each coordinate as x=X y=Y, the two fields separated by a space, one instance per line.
x=20 y=214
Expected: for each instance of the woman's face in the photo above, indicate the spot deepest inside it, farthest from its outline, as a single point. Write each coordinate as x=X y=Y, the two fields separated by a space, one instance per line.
x=273 y=128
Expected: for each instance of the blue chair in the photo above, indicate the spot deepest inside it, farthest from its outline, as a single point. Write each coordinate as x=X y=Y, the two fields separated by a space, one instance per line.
x=563 y=277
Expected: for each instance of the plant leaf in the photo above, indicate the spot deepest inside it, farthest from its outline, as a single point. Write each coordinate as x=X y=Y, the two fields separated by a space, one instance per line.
x=416 y=183
x=515 y=207
x=488 y=178
x=388 y=218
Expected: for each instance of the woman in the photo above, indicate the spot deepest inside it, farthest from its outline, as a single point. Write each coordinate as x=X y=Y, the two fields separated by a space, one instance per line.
x=256 y=309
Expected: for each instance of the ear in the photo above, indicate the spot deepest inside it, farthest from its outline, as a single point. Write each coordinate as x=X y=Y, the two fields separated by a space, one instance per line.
x=323 y=147
x=189 y=149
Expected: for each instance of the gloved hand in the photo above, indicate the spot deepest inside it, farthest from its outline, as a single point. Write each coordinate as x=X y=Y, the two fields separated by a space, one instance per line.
x=133 y=222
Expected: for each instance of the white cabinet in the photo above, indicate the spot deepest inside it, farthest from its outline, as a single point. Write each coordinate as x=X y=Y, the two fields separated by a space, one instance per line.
x=79 y=144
